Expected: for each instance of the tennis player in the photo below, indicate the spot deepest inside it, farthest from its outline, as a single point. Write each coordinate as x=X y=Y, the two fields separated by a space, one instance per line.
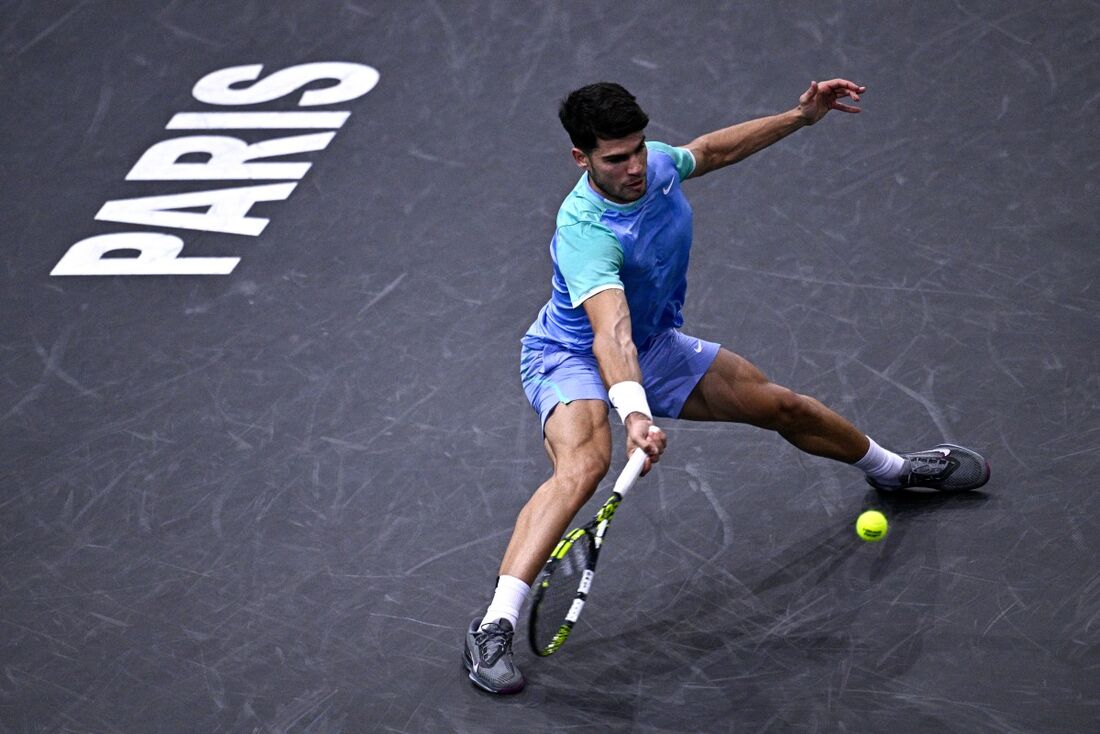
x=610 y=336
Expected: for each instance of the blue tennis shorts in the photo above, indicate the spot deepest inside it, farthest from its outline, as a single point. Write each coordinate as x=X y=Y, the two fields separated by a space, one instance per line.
x=672 y=365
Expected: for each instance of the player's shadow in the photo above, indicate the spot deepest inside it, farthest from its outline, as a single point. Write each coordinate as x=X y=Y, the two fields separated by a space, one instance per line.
x=803 y=612
x=905 y=510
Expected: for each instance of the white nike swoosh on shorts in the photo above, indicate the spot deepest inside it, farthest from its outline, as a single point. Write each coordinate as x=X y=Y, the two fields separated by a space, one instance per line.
x=699 y=346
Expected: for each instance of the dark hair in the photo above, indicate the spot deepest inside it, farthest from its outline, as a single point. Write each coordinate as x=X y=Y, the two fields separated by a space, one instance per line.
x=602 y=110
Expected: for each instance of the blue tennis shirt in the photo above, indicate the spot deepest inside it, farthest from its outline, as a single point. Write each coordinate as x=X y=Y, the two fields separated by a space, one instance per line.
x=641 y=248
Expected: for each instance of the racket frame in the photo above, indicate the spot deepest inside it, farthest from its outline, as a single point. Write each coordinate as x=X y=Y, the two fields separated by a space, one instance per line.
x=592 y=533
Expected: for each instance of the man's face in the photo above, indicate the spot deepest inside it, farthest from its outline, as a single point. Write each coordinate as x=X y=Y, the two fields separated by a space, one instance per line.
x=616 y=168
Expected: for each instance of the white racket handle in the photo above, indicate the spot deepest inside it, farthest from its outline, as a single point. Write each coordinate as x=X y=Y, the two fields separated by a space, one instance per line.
x=632 y=470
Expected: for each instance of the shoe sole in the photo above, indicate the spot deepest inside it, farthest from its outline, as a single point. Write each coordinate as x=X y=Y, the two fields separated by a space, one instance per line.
x=469 y=666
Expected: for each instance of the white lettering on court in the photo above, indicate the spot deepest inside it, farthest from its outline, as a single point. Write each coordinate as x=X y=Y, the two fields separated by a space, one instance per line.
x=220 y=158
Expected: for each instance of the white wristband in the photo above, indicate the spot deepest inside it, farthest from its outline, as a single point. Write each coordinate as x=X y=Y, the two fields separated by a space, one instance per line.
x=629 y=397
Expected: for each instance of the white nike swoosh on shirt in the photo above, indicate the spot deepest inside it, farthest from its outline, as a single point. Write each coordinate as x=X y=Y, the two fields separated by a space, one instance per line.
x=668 y=188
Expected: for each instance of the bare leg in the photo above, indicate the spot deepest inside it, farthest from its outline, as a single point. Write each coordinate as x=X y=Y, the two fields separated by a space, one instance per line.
x=578 y=441
x=734 y=390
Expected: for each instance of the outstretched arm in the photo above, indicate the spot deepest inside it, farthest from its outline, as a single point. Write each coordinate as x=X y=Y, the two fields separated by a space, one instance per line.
x=732 y=144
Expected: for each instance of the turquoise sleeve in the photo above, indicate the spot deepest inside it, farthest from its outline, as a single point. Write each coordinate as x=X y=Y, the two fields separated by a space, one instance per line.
x=681 y=157
x=589 y=258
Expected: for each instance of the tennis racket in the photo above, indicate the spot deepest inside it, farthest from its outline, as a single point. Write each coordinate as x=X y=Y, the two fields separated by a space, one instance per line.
x=562 y=587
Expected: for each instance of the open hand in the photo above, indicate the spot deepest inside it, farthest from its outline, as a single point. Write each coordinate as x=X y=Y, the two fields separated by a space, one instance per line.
x=821 y=97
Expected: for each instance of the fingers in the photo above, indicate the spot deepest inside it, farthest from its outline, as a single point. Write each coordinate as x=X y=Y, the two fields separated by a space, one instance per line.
x=837 y=89
x=653 y=443
x=843 y=88
x=837 y=83
x=641 y=433
x=808 y=94
x=656 y=444
x=821 y=97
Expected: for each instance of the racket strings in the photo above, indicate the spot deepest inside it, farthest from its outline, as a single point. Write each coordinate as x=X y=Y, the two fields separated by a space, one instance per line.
x=559 y=591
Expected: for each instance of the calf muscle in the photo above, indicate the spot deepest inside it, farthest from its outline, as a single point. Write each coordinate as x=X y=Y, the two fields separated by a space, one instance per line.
x=578 y=441
x=735 y=391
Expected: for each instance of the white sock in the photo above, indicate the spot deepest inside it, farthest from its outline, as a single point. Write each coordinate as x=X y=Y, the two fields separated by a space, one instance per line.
x=880 y=464
x=507 y=601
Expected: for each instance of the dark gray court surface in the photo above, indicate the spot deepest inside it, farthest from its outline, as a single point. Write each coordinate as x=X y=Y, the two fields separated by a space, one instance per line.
x=271 y=501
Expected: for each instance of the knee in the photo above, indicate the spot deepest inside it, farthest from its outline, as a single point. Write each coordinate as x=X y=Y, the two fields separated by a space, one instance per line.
x=790 y=410
x=578 y=478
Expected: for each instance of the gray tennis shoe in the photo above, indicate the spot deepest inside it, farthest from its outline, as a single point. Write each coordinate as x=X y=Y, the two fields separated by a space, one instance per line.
x=488 y=657
x=947 y=467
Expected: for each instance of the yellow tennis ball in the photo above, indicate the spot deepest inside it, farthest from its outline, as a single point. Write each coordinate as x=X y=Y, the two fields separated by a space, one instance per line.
x=872 y=526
